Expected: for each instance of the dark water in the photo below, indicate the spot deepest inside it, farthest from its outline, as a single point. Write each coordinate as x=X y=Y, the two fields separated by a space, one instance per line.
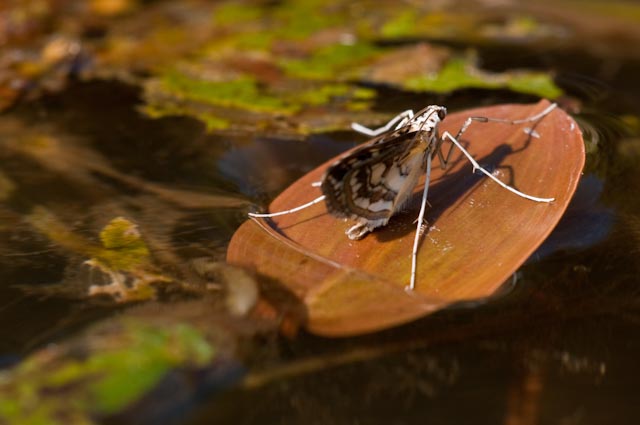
x=560 y=346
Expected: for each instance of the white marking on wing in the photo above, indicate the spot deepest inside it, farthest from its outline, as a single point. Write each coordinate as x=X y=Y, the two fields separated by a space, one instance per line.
x=362 y=202
x=395 y=180
x=380 y=205
x=376 y=173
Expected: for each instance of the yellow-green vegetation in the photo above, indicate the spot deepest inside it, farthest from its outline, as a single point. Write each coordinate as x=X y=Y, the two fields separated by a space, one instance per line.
x=209 y=100
x=283 y=60
x=460 y=73
x=230 y=14
x=625 y=10
x=470 y=26
x=301 y=19
x=249 y=64
x=241 y=92
x=123 y=256
x=400 y=25
x=70 y=384
x=292 y=20
x=336 y=61
x=123 y=246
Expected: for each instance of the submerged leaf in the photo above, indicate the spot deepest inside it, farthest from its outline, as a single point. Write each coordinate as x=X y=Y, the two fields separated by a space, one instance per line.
x=336 y=61
x=110 y=370
x=123 y=244
x=125 y=257
x=478 y=233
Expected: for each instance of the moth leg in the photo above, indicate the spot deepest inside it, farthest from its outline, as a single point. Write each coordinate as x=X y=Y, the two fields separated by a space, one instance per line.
x=425 y=223
x=401 y=119
x=444 y=159
x=357 y=231
x=364 y=226
x=292 y=210
x=423 y=227
x=476 y=166
x=419 y=229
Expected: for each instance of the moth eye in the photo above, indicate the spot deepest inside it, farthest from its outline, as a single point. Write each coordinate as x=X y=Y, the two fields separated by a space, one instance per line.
x=442 y=112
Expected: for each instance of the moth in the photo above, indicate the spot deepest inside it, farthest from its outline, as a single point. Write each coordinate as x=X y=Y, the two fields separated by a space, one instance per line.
x=373 y=182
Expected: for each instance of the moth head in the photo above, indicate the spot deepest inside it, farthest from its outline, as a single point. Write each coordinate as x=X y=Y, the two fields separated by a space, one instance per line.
x=436 y=113
x=428 y=118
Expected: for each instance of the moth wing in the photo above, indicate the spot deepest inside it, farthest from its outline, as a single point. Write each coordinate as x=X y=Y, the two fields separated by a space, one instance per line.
x=372 y=182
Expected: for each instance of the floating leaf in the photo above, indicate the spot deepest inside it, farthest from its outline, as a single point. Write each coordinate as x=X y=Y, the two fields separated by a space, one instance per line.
x=478 y=234
x=461 y=73
x=336 y=61
x=248 y=103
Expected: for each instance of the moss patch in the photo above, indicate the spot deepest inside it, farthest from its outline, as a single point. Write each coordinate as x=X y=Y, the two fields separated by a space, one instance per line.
x=460 y=73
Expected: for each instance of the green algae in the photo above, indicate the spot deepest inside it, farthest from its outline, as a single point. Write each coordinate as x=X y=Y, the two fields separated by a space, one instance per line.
x=300 y=19
x=122 y=256
x=537 y=83
x=335 y=61
x=242 y=92
x=401 y=25
x=460 y=73
x=123 y=245
x=221 y=104
x=231 y=14
x=118 y=366
x=259 y=66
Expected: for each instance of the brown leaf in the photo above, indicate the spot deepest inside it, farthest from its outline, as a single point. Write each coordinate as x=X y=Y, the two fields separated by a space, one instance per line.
x=478 y=235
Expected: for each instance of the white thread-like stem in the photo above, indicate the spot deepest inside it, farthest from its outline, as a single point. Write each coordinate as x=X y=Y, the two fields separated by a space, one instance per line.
x=416 y=240
x=296 y=209
x=477 y=166
x=537 y=116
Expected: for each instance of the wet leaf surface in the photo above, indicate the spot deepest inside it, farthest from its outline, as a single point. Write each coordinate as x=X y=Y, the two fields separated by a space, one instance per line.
x=478 y=235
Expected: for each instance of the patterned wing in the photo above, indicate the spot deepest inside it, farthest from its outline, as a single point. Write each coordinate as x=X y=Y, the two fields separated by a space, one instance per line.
x=371 y=183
